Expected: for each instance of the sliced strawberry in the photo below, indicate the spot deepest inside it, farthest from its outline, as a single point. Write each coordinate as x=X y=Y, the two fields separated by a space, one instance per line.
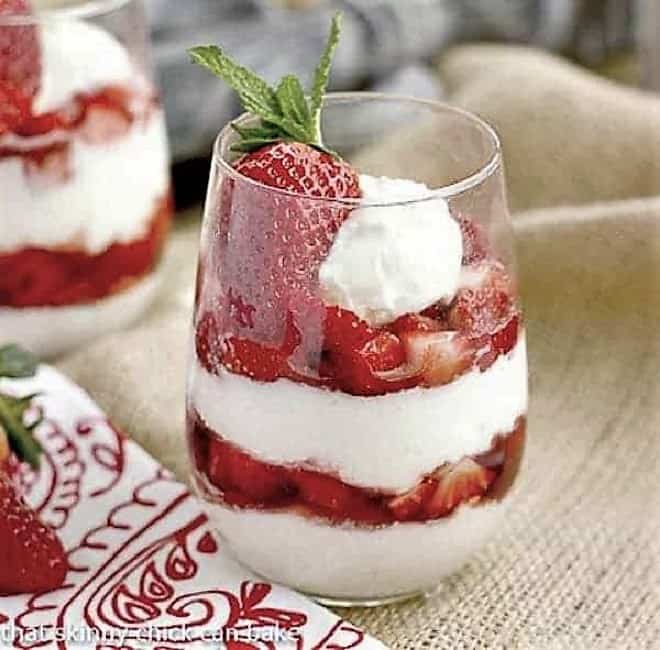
x=14 y=105
x=485 y=304
x=323 y=490
x=412 y=323
x=262 y=362
x=345 y=331
x=33 y=559
x=438 y=312
x=20 y=55
x=49 y=166
x=106 y=115
x=505 y=340
x=335 y=499
x=383 y=352
x=465 y=481
x=355 y=354
x=231 y=469
x=410 y=505
x=438 y=357
x=475 y=242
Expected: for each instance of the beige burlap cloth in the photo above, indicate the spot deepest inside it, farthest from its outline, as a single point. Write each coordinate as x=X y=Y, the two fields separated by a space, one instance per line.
x=578 y=566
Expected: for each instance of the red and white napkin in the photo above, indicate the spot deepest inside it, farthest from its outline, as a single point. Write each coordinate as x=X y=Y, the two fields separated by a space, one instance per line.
x=146 y=571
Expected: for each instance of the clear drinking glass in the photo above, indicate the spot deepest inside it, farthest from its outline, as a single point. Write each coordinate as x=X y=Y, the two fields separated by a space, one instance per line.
x=85 y=201
x=360 y=463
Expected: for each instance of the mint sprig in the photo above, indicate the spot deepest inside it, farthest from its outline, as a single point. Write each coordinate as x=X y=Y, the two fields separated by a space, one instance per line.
x=16 y=363
x=285 y=112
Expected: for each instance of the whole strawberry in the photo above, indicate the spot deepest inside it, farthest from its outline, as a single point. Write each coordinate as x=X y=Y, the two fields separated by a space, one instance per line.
x=32 y=558
x=270 y=244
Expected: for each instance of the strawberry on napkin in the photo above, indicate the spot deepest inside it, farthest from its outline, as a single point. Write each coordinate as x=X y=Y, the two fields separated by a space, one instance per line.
x=144 y=568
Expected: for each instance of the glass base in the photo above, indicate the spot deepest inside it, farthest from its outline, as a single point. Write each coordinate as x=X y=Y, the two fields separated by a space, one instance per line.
x=328 y=601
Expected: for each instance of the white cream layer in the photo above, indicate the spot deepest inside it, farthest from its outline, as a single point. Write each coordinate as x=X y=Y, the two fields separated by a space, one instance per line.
x=78 y=57
x=109 y=198
x=387 y=442
x=347 y=562
x=395 y=258
x=51 y=331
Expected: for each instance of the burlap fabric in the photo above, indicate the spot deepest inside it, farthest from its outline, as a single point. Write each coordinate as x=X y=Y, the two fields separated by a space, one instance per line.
x=578 y=566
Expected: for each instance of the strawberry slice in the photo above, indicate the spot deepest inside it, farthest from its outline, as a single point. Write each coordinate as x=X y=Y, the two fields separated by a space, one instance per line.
x=505 y=340
x=20 y=55
x=324 y=491
x=383 y=352
x=14 y=106
x=345 y=331
x=243 y=355
x=410 y=505
x=33 y=558
x=355 y=355
x=475 y=242
x=232 y=470
x=414 y=323
x=335 y=499
x=437 y=357
x=465 y=481
x=485 y=304
x=106 y=115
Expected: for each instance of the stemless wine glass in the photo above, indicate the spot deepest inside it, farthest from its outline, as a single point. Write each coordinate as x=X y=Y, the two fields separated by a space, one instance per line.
x=360 y=462
x=85 y=201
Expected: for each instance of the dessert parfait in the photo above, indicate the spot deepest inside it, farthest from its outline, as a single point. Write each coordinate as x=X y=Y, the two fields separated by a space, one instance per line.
x=84 y=182
x=358 y=381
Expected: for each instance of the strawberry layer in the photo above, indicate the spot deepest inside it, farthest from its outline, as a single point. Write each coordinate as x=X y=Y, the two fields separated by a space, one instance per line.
x=237 y=478
x=286 y=422
x=89 y=181
x=348 y=562
x=50 y=331
x=35 y=277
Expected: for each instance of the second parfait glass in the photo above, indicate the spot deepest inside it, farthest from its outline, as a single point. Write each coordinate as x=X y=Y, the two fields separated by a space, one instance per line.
x=85 y=201
x=358 y=380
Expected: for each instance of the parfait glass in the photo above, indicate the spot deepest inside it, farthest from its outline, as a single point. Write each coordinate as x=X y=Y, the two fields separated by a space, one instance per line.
x=85 y=201
x=359 y=456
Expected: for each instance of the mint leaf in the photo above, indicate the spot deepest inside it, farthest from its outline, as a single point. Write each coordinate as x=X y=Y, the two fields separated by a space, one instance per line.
x=255 y=93
x=322 y=74
x=12 y=421
x=293 y=103
x=17 y=363
x=262 y=132
x=285 y=113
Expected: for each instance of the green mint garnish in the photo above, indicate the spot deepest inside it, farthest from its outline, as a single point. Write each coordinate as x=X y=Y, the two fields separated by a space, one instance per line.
x=16 y=363
x=285 y=112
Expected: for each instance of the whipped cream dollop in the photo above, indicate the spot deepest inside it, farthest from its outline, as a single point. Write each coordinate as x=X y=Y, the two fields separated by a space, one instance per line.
x=394 y=258
x=78 y=57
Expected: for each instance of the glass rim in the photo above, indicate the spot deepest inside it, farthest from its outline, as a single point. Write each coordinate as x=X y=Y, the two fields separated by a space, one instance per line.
x=468 y=182
x=79 y=9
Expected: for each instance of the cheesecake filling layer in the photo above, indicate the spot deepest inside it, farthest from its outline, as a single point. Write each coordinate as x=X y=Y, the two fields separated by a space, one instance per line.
x=351 y=562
